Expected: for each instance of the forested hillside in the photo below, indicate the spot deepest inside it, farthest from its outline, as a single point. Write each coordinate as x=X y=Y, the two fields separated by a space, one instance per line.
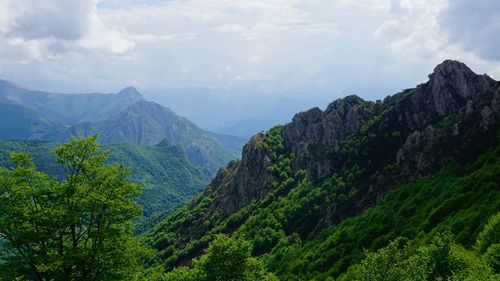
x=169 y=179
x=312 y=195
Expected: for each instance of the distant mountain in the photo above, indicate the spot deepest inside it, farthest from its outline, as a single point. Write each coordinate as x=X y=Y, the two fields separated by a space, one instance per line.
x=315 y=194
x=281 y=112
x=21 y=123
x=168 y=177
x=232 y=143
x=148 y=123
x=69 y=108
x=125 y=117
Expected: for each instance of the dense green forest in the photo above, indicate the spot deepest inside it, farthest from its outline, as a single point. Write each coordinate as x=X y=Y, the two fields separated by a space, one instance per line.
x=168 y=178
x=457 y=201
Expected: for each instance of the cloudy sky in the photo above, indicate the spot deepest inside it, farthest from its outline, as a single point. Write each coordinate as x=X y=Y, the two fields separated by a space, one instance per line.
x=222 y=61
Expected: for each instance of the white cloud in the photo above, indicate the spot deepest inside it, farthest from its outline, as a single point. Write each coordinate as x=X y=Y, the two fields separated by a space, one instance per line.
x=40 y=30
x=252 y=48
x=475 y=25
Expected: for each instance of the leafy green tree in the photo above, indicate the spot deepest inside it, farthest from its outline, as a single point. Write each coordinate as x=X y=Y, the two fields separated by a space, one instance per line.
x=488 y=242
x=227 y=259
x=79 y=228
x=440 y=260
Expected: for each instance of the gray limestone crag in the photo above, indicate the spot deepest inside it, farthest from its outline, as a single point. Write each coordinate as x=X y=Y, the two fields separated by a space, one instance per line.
x=315 y=137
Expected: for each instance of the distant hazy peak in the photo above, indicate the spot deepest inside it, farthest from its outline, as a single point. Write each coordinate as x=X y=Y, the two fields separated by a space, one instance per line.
x=9 y=84
x=131 y=92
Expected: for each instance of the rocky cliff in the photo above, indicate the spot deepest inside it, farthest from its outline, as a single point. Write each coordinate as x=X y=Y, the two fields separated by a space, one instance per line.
x=370 y=147
x=454 y=94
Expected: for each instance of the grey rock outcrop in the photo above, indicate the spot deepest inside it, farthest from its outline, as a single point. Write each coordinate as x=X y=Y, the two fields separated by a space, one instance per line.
x=316 y=137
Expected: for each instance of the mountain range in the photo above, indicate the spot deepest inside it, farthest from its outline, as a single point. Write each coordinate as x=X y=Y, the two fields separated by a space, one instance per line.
x=124 y=117
x=404 y=188
x=314 y=194
x=168 y=154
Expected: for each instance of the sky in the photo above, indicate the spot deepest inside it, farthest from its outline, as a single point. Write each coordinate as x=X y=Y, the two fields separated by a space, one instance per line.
x=226 y=62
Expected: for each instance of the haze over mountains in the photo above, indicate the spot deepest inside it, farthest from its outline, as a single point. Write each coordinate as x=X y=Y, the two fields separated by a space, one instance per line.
x=168 y=154
x=124 y=117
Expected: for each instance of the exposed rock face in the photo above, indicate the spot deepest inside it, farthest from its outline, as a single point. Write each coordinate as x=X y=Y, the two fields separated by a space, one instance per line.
x=316 y=137
x=243 y=181
x=451 y=84
x=375 y=146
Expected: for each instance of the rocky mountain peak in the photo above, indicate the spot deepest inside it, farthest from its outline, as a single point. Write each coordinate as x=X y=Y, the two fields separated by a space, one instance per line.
x=452 y=83
x=318 y=138
x=130 y=92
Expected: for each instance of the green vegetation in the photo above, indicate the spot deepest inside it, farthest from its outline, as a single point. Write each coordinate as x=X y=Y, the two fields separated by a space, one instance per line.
x=227 y=259
x=167 y=176
x=440 y=260
x=360 y=216
x=448 y=121
x=457 y=200
x=79 y=228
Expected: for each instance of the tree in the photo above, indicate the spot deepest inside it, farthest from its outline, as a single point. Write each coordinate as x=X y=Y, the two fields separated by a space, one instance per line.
x=79 y=228
x=227 y=259
x=488 y=242
x=440 y=260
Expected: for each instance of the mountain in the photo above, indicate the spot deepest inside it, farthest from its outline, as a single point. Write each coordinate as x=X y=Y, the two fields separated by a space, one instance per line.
x=125 y=117
x=313 y=194
x=169 y=179
x=280 y=112
x=232 y=143
x=148 y=123
x=69 y=108
x=17 y=122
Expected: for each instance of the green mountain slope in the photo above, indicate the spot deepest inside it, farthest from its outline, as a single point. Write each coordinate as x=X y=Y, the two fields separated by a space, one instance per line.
x=311 y=195
x=169 y=179
x=69 y=108
x=148 y=123
x=458 y=199
x=125 y=117
x=17 y=122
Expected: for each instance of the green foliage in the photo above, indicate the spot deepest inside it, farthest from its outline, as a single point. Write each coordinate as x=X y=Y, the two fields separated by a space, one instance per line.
x=488 y=242
x=417 y=210
x=169 y=179
x=490 y=235
x=457 y=199
x=292 y=225
x=79 y=228
x=440 y=260
x=448 y=121
x=227 y=259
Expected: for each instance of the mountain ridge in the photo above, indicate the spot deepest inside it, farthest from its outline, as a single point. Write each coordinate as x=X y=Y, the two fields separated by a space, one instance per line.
x=351 y=154
x=148 y=123
x=69 y=108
